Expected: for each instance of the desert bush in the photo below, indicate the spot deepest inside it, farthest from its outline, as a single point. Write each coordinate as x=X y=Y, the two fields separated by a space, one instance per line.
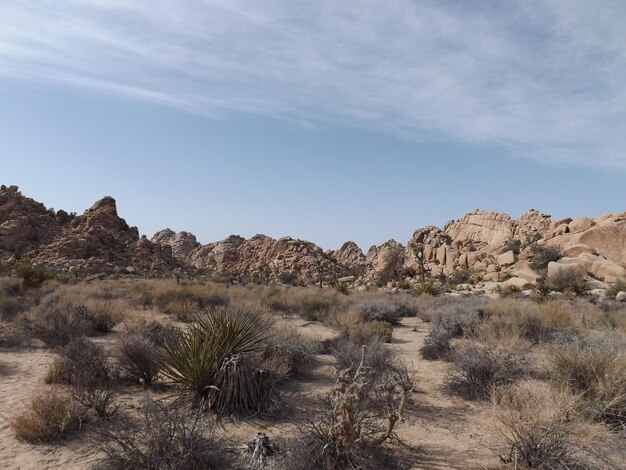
x=541 y=290
x=12 y=336
x=564 y=279
x=210 y=352
x=57 y=326
x=542 y=256
x=166 y=438
x=459 y=276
x=49 y=416
x=615 y=288
x=378 y=310
x=32 y=276
x=84 y=366
x=483 y=364
x=362 y=333
x=596 y=368
x=315 y=307
x=297 y=351
x=506 y=290
x=513 y=245
x=139 y=359
x=183 y=310
x=360 y=415
x=10 y=307
x=539 y=430
x=453 y=321
x=9 y=286
x=430 y=287
x=378 y=357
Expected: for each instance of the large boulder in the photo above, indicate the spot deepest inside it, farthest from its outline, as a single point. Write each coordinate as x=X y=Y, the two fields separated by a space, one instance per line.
x=597 y=266
x=491 y=228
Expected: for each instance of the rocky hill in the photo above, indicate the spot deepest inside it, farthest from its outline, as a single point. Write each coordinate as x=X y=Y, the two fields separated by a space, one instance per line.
x=481 y=246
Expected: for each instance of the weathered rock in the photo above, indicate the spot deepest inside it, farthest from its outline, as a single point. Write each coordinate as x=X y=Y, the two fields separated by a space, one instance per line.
x=598 y=267
x=182 y=243
x=621 y=296
x=506 y=258
x=491 y=228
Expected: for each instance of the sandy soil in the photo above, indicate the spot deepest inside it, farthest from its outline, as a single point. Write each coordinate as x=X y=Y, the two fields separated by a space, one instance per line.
x=452 y=433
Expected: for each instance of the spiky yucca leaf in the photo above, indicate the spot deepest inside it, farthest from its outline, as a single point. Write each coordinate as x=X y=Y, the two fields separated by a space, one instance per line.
x=195 y=357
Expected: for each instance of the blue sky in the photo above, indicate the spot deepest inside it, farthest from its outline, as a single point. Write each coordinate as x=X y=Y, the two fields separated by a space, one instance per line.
x=324 y=120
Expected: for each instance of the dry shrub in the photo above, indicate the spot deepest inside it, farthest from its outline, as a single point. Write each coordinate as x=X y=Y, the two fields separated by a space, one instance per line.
x=363 y=333
x=485 y=363
x=615 y=288
x=314 y=307
x=378 y=310
x=563 y=280
x=10 y=307
x=84 y=366
x=49 y=416
x=183 y=310
x=139 y=359
x=540 y=430
x=295 y=350
x=596 y=368
x=165 y=438
x=378 y=357
x=199 y=295
x=56 y=326
x=361 y=414
x=453 y=321
x=12 y=336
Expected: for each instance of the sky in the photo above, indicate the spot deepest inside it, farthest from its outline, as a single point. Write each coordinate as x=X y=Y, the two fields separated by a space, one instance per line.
x=327 y=121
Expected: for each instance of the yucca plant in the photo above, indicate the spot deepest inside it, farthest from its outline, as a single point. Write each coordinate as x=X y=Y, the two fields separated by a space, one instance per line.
x=208 y=359
x=578 y=288
x=429 y=287
x=541 y=290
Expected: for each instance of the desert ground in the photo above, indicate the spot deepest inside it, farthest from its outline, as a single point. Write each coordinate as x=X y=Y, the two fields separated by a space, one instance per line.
x=485 y=382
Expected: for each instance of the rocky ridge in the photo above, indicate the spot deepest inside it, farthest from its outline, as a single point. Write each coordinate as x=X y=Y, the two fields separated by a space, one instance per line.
x=483 y=246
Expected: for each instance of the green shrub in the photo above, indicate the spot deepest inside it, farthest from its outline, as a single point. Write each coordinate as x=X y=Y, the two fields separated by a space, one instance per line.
x=506 y=290
x=567 y=280
x=541 y=290
x=459 y=276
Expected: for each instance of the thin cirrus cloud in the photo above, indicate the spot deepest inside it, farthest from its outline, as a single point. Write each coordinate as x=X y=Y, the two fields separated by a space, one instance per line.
x=543 y=79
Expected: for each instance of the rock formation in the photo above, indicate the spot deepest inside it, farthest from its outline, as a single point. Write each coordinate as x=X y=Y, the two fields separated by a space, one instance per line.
x=486 y=246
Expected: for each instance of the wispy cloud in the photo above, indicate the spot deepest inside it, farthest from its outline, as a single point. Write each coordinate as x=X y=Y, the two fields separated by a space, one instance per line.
x=544 y=79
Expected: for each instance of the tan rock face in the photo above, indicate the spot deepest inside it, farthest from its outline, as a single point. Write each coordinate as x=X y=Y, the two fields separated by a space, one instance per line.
x=491 y=228
x=101 y=241
x=262 y=256
x=25 y=224
x=507 y=258
x=182 y=243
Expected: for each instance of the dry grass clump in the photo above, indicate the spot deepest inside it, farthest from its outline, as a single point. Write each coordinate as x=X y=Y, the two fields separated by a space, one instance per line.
x=294 y=350
x=596 y=368
x=48 y=417
x=193 y=293
x=165 y=438
x=378 y=310
x=483 y=364
x=452 y=321
x=540 y=430
x=615 y=288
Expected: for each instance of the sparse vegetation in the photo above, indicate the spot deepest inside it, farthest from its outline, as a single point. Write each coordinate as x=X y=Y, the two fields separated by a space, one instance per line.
x=429 y=287
x=48 y=417
x=165 y=438
x=542 y=256
x=32 y=276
